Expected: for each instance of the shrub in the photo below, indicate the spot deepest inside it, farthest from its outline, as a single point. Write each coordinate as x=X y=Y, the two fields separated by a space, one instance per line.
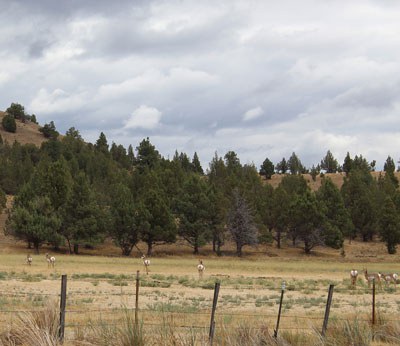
x=9 y=123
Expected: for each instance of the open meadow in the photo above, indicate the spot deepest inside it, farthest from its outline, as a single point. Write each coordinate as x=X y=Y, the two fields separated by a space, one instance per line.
x=101 y=291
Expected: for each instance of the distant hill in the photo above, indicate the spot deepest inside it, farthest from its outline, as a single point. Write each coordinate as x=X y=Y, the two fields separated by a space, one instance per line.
x=337 y=179
x=27 y=133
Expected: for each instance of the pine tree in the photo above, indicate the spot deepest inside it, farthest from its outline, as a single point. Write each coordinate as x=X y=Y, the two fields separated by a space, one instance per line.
x=193 y=208
x=241 y=224
x=329 y=163
x=389 y=225
x=196 y=166
x=125 y=229
x=267 y=169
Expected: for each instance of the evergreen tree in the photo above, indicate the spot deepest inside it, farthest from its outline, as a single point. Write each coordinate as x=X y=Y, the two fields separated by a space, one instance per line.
x=295 y=166
x=81 y=216
x=2 y=200
x=125 y=229
x=131 y=156
x=347 y=164
x=49 y=130
x=194 y=213
x=389 y=225
x=282 y=166
x=17 y=111
x=337 y=218
x=389 y=167
x=157 y=224
x=196 y=166
x=9 y=123
x=267 y=169
x=306 y=220
x=101 y=144
x=147 y=155
x=241 y=224
x=329 y=163
x=33 y=221
x=359 y=193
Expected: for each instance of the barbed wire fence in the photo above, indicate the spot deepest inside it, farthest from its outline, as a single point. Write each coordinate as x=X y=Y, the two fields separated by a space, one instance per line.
x=210 y=317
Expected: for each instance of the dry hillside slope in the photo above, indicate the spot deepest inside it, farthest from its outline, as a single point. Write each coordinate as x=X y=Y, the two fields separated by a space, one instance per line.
x=27 y=133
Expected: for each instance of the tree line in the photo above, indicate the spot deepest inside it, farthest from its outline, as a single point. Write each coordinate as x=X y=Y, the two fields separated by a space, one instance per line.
x=71 y=193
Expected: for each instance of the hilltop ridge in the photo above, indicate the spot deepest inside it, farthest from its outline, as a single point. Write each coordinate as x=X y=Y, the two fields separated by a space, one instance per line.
x=27 y=133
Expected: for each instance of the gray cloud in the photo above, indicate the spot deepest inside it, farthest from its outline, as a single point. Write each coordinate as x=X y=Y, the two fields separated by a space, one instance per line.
x=310 y=75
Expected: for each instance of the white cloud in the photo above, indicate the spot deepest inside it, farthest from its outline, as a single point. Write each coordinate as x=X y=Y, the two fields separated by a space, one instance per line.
x=144 y=117
x=253 y=113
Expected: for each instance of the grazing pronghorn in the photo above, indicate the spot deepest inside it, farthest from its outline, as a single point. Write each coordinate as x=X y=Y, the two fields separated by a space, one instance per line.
x=353 y=277
x=200 y=269
x=390 y=277
x=51 y=260
x=29 y=259
x=146 y=263
x=373 y=277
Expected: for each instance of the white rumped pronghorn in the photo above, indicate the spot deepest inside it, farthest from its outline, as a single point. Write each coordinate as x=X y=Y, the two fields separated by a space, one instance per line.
x=29 y=259
x=390 y=278
x=353 y=277
x=200 y=269
x=373 y=277
x=146 y=263
x=51 y=261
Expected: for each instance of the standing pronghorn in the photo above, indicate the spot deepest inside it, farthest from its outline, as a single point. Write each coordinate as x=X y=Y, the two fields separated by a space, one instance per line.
x=51 y=260
x=373 y=277
x=353 y=277
x=390 y=277
x=146 y=263
x=29 y=259
x=200 y=269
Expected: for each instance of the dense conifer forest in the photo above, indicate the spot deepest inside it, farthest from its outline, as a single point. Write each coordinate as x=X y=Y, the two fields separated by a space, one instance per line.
x=69 y=193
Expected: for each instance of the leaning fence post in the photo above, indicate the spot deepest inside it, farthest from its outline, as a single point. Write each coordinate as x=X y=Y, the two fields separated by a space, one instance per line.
x=327 y=309
x=63 y=300
x=280 y=309
x=137 y=299
x=373 y=301
x=214 y=307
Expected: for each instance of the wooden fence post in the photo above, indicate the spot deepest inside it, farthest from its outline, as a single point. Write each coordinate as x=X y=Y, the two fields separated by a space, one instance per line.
x=214 y=307
x=137 y=300
x=373 y=301
x=63 y=300
x=327 y=309
x=280 y=309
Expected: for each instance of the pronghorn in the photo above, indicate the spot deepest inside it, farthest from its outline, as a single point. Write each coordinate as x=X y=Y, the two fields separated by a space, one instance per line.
x=390 y=277
x=353 y=277
x=29 y=259
x=51 y=260
x=373 y=277
x=200 y=268
x=146 y=263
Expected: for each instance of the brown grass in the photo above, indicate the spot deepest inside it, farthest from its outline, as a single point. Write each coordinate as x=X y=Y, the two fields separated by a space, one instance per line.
x=27 y=133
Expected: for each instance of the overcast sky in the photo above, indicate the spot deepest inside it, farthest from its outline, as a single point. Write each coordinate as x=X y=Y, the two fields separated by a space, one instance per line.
x=262 y=78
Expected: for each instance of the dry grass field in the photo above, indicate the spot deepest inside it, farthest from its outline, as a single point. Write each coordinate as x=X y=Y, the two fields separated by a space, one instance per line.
x=101 y=288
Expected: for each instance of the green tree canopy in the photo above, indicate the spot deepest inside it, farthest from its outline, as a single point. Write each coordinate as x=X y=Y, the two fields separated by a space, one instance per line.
x=267 y=168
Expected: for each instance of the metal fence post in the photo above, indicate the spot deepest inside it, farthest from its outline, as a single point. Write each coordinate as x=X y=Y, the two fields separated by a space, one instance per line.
x=137 y=300
x=327 y=309
x=280 y=309
x=214 y=307
x=373 y=301
x=63 y=300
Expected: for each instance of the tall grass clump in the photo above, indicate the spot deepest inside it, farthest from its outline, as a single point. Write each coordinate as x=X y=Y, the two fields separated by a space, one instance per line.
x=105 y=333
x=342 y=333
x=38 y=328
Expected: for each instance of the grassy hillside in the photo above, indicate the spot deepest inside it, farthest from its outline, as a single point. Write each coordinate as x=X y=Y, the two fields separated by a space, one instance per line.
x=27 y=133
